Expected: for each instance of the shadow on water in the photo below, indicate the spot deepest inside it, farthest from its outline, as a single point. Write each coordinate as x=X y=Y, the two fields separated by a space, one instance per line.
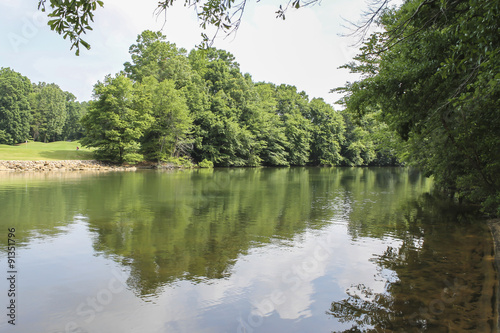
x=440 y=279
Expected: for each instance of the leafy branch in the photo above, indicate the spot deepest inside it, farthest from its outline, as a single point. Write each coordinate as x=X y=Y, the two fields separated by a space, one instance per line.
x=71 y=18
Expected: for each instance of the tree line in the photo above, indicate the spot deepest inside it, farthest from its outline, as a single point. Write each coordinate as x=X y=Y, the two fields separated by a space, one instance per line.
x=39 y=112
x=168 y=104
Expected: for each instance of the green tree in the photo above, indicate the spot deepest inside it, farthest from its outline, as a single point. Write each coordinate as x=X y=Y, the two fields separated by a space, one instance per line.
x=117 y=119
x=226 y=142
x=48 y=107
x=292 y=107
x=198 y=102
x=72 y=19
x=220 y=132
x=154 y=56
x=386 y=142
x=358 y=148
x=14 y=106
x=168 y=135
x=268 y=128
x=434 y=75
x=73 y=129
x=327 y=133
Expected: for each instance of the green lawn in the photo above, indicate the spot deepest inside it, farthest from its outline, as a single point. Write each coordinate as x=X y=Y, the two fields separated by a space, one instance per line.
x=33 y=151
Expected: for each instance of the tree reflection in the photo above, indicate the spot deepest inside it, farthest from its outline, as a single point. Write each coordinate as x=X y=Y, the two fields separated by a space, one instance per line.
x=434 y=283
x=195 y=225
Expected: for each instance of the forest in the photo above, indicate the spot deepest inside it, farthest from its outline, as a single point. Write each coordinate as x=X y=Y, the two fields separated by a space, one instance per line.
x=168 y=105
x=40 y=112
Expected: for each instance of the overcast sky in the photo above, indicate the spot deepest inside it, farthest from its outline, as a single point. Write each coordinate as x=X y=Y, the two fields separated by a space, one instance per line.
x=305 y=50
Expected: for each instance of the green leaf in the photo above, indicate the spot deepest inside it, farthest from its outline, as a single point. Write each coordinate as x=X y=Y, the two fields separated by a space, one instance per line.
x=84 y=43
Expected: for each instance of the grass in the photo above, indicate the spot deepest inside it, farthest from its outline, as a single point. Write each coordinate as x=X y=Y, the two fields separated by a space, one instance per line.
x=53 y=151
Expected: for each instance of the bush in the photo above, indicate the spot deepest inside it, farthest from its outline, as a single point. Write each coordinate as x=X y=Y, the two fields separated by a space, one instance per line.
x=206 y=164
x=133 y=158
x=183 y=162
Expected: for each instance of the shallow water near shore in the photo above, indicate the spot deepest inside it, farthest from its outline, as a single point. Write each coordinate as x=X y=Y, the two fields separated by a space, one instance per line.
x=243 y=250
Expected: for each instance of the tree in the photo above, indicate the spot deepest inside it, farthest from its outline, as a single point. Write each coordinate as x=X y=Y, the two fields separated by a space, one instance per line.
x=73 y=129
x=370 y=142
x=433 y=74
x=154 y=56
x=117 y=119
x=225 y=142
x=48 y=107
x=268 y=128
x=202 y=106
x=292 y=106
x=327 y=133
x=168 y=135
x=220 y=132
x=14 y=106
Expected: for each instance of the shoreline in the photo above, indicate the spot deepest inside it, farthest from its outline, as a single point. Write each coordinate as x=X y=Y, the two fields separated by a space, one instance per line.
x=70 y=165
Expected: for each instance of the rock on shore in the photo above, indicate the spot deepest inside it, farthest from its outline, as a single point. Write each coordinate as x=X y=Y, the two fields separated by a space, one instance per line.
x=64 y=165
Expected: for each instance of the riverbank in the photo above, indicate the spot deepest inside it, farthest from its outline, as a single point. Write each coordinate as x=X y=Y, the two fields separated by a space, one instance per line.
x=62 y=165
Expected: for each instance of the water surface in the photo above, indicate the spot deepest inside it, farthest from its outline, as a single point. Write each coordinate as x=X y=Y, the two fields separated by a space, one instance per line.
x=244 y=250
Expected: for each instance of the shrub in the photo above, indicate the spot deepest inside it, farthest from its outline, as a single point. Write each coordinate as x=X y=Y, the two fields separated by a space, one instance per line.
x=206 y=164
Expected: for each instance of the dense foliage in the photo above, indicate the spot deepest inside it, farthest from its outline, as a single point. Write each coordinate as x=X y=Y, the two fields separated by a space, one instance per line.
x=168 y=104
x=116 y=121
x=433 y=75
x=14 y=106
x=41 y=112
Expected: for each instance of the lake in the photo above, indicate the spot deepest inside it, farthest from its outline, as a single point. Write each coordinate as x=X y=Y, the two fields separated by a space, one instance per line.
x=242 y=250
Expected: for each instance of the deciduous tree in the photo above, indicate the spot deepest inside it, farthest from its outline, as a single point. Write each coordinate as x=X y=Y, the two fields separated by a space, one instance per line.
x=117 y=119
x=14 y=106
x=48 y=107
x=433 y=74
x=168 y=135
x=327 y=133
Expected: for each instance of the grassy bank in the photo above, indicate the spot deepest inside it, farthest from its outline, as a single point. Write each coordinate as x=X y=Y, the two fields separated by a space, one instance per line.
x=36 y=151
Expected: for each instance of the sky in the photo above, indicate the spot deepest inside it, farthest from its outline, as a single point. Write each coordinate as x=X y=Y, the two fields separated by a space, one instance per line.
x=305 y=50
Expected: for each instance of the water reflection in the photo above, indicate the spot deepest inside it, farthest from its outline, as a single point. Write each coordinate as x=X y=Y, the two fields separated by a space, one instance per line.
x=266 y=250
x=441 y=277
x=194 y=225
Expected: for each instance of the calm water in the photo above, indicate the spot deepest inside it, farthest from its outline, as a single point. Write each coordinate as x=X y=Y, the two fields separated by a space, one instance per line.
x=243 y=250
